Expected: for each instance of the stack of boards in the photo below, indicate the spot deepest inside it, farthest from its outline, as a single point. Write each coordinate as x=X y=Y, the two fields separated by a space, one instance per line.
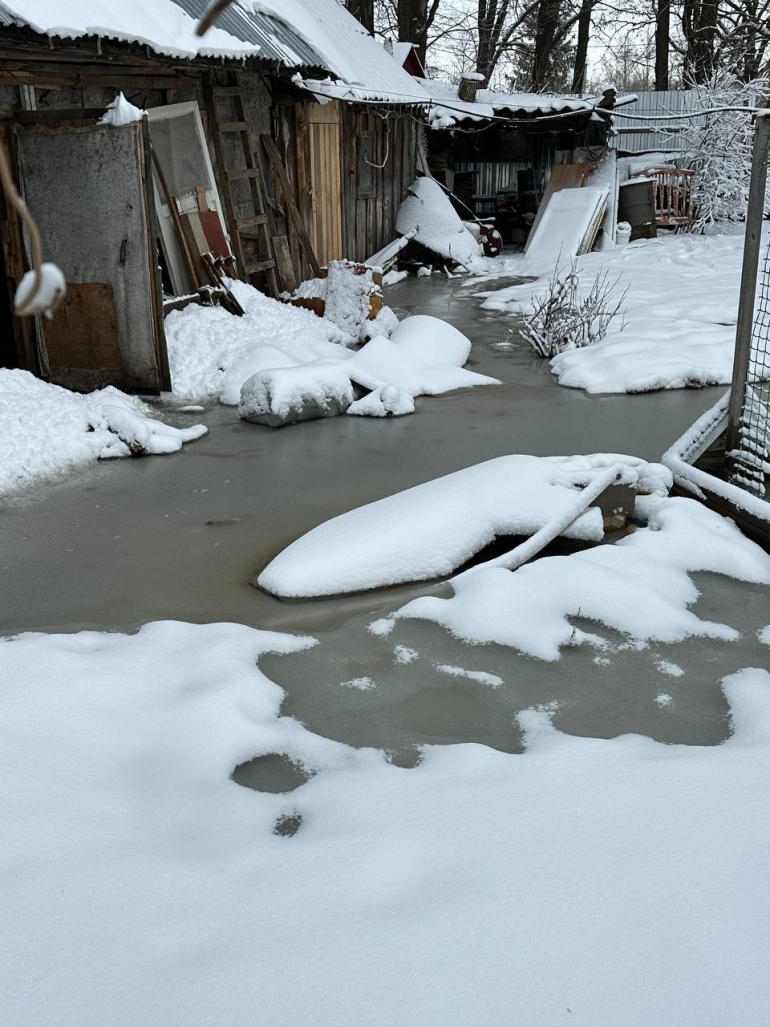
x=569 y=217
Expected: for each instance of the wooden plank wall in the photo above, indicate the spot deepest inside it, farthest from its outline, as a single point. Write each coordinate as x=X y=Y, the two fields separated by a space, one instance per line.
x=368 y=221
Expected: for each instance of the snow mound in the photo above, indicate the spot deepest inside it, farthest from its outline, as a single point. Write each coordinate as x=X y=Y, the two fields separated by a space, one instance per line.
x=211 y=353
x=424 y=356
x=214 y=355
x=640 y=586
x=677 y=325
x=46 y=430
x=430 y=530
x=153 y=888
x=428 y=213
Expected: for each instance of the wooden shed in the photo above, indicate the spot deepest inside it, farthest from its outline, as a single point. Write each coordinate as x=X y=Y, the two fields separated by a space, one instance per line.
x=242 y=150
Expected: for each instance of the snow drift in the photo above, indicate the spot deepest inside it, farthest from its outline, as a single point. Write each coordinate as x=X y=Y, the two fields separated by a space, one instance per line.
x=45 y=429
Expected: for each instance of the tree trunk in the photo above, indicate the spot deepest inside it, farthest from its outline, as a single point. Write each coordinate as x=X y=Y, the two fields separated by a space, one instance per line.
x=547 y=24
x=363 y=10
x=490 y=18
x=413 y=25
x=581 y=54
x=699 y=26
x=662 y=43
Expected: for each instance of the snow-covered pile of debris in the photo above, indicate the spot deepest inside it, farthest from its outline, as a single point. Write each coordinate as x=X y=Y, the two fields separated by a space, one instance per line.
x=423 y=357
x=211 y=353
x=427 y=212
x=345 y=296
x=279 y=357
x=622 y=881
x=677 y=328
x=45 y=429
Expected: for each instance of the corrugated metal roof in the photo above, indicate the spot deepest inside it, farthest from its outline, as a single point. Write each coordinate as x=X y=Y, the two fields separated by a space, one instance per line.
x=275 y=40
x=168 y=27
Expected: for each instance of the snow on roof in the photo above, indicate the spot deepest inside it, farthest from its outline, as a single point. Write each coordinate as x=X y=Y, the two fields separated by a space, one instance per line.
x=364 y=67
x=296 y=33
x=162 y=25
x=448 y=109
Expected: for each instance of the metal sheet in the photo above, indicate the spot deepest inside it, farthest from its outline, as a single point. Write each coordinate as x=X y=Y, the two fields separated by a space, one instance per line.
x=276 y=40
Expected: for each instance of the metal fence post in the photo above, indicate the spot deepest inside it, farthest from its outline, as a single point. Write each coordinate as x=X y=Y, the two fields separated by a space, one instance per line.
x=751 y=252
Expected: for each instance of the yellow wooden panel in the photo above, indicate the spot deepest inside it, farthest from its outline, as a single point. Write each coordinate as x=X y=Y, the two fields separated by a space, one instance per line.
x=325 y=160
x=324 y=113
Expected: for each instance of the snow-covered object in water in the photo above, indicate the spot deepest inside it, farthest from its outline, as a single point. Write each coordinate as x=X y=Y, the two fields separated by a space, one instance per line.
x=681 y=457
x=387 y=401
x=428 y=531
x=604 y=888
x=303 y=393
x=52 y=290
x=424 y=272
x=121 y=112
x=437 y=226
x=46 y=430
x=394 y=277
x=640 y=586
x=424 y=356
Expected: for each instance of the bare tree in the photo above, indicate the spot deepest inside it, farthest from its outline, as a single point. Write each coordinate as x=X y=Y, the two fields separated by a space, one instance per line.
x=363 y=10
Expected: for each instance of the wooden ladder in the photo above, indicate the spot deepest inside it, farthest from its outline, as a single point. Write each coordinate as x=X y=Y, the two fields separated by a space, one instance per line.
x=251 y=237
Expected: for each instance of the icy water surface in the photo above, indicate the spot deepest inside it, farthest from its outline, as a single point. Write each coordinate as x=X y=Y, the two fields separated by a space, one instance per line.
x=182 y=536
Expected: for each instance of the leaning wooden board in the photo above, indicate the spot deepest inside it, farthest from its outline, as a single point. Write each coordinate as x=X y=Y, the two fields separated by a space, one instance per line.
x=563 y=176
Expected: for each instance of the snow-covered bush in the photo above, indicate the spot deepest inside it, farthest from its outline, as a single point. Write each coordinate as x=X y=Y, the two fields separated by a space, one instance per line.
x=561 y=320
x=718 y=147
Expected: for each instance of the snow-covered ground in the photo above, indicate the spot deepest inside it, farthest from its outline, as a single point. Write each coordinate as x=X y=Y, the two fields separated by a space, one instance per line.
x=589 y=881
x=46 y=430
x=677 y=328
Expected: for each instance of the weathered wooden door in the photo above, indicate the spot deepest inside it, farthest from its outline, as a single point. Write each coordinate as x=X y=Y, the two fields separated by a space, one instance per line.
x=89 y=188
x=325 y=180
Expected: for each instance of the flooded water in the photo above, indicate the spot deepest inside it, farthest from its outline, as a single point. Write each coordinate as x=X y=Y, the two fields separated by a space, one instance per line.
x=181 y=537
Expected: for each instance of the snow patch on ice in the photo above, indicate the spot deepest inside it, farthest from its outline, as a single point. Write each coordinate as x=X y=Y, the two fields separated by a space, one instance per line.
x=363 y=684
x=664 y=699
x=764 y=635
x=672 y=669
x=403 y=654
x=641 y=586
x=481 y=676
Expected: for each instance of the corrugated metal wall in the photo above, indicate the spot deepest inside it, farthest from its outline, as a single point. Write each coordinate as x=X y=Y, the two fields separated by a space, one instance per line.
x=646 y=136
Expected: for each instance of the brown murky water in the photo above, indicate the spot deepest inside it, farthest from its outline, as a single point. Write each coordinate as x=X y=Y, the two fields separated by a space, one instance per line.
x=180 y=537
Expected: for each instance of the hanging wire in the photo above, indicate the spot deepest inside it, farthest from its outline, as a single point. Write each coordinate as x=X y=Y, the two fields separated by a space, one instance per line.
x=31 y=304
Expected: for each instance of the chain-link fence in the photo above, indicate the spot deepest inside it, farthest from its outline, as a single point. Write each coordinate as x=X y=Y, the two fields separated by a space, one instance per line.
x=748 y=439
